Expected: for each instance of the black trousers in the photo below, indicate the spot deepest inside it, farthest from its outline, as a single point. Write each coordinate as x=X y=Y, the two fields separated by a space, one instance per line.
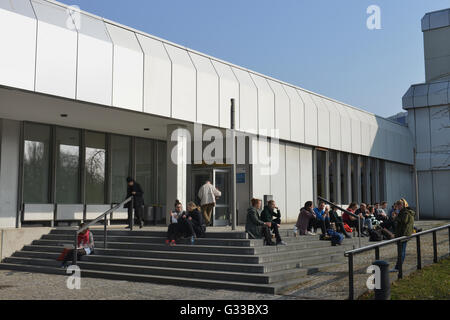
x=182 y=228
x=275 y=230
x=69 y=256
x=265 y=231
x=139 y=215
x=317 y=223
x=354 y=224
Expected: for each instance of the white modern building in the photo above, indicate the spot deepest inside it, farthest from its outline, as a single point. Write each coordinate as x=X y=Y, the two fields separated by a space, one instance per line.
x=86 y=102
x=428 y=106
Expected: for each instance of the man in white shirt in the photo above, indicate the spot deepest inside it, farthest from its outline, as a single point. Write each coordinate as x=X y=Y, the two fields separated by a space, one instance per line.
x=207 y=195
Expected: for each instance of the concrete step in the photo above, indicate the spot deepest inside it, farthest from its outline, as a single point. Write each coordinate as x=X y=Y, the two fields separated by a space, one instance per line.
x=265 y=278
x=231 y=258
x=159 y=240
x=177 y=281
x=163 y=234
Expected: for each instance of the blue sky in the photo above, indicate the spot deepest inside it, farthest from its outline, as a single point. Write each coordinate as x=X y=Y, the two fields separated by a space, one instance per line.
x=322 y=45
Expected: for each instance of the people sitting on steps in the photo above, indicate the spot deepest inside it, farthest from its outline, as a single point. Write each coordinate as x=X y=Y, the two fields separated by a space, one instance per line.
x=352 y=221
x=337 y=220
x=304 y=217
x=180 y=226
x=194 y=216
x=322 y=218
x=272 y=214
x=85 y=246
x=254 y=226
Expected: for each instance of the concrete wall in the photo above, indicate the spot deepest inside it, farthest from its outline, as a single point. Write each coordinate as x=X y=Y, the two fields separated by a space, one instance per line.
x=9 y=171
x=399 y=183
x=13 y=239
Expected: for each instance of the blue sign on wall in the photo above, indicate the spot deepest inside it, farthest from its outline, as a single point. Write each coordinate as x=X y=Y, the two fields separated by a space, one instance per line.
x=240 y=177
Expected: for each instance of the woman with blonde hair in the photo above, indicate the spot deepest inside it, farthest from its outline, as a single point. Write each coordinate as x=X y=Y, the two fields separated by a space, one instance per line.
x=196 y=219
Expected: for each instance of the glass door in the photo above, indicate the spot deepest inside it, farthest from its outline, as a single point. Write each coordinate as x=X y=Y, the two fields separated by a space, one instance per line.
x=221 y=180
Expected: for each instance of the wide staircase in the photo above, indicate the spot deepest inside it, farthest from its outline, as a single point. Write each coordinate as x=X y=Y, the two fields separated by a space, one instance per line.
x=222 y=260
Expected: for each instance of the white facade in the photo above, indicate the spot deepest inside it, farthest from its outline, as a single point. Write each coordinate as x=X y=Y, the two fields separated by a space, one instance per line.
x=105 y=69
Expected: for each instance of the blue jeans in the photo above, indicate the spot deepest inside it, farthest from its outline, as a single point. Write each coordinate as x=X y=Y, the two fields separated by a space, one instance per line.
x=403 y=254
x=368 y=223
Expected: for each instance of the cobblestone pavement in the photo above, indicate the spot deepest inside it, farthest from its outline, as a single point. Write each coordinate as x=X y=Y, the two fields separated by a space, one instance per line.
x=328 y=284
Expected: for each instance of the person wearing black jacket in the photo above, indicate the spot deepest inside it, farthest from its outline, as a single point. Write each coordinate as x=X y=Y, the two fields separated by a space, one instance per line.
x=195 y=217
x=334 y=217
x=134 y=189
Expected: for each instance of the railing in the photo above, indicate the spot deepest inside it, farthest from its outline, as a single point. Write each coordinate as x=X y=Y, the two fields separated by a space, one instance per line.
x=399 y=241
x=349 y=213
x=100 y=217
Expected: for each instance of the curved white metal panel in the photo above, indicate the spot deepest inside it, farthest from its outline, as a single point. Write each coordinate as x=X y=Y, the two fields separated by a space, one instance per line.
x=56 y=57
x=18 y=39
x=95 y=61
x=355 y=124
x=306 y=176
x=335 y=125
x=310 y=118
x=207 y=90
x=248 y=102
x=297 y=114
x=346 y=130
x=323 y=122
x=266 y=106
x=128 y=69
x=282 y=110
x=157 y=77
x=183 y=84
x=278 y=175
x=229 y=88
x=293 y=181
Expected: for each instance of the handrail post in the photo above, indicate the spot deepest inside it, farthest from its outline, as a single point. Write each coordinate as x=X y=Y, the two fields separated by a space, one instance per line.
x=74 y=259
x=399 y=259
x=419 y=254
x=435 y=256
x=132 y=214
x=351 y=293
x=448 y=239
x=105 y=235
x=377 y=253
x=359 y=230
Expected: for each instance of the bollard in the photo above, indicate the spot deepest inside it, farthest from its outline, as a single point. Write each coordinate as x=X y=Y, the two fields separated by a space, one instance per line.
x=384 y=293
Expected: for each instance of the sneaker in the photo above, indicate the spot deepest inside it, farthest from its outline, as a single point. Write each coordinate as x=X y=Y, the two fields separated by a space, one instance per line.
x=309 y=233
x=173 y=243
x=282 y=243
x=141 y=224
x=192 y=240
x=393 y=270
x=271 y=243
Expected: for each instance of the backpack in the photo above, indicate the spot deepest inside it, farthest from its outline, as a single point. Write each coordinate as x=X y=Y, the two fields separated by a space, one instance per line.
x=336 y=237
x=387 y=235
x=347 y=228
x=375 y=235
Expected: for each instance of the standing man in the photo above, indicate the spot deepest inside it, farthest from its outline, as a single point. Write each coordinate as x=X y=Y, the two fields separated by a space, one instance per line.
x=404 y=218
x=135 y=190
x=272 y=214
x=207 y=195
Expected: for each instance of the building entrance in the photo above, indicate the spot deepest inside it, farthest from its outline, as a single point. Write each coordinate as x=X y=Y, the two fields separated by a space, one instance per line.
x=221 y=179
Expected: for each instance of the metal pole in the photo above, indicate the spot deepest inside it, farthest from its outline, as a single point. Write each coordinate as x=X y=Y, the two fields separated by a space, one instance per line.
x=233 y=167
x=350 y=277
x=384 y=292
x=104 y=233
x=416 y=185
x=399 y=259
x=435 y=256
x=377 y=253
x=132 y=214
x=419 y=254
x=74 y=259
x=359 y=231
x=449 y=239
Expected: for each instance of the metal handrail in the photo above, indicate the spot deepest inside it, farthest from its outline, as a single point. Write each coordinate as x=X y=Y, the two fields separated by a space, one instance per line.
x=399 y=242
x=349 y=213
x=100 y=217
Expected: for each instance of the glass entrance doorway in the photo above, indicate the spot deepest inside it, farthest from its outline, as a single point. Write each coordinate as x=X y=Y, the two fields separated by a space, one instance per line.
x=221 y=179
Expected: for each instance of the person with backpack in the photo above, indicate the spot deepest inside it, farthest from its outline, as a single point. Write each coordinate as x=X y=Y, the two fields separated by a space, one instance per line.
x=337 y=220
x=85 y=246
x=404 y=226
x=304 y=217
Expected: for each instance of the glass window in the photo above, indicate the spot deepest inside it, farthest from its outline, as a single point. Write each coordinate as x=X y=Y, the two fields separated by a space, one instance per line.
x=95 y=167
x=120 y=162
x=161 y=170
x=36 y=163
x=344 y=186
x=67 y=165
x=321 y=163
x=144 y=169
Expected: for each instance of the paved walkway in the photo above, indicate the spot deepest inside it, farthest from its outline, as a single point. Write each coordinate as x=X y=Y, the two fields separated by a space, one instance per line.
x=328 y=284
